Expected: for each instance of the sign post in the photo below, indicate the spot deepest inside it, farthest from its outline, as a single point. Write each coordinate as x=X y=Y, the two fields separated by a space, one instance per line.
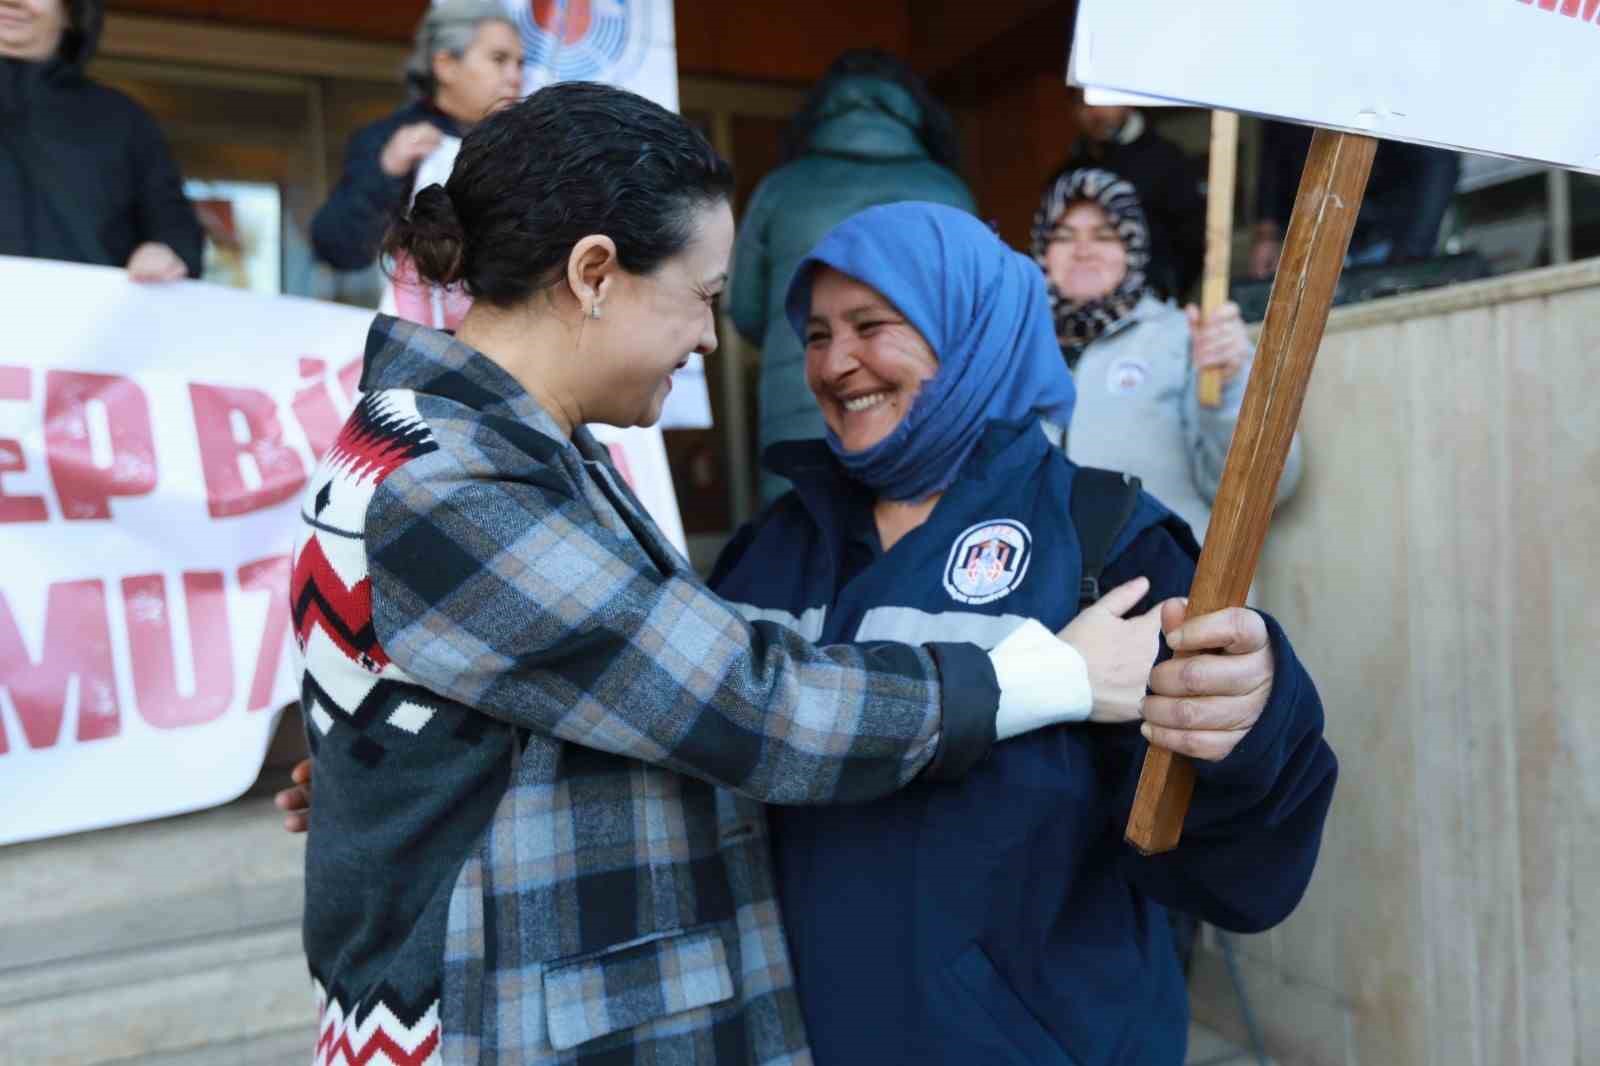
x=1324 y=216
x=1411 y=72
x=1219 y=234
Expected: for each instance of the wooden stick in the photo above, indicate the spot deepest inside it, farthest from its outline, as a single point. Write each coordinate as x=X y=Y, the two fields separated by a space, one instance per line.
x=1219 y=234
x=1325 y=210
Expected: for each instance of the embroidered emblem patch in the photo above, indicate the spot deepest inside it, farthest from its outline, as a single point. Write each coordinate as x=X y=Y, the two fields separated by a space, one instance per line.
x=1126 y=375
x=988 y=561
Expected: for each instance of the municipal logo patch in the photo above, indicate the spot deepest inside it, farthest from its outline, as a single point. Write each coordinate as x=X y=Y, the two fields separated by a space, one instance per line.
x=1125 y=376
x=988 y=561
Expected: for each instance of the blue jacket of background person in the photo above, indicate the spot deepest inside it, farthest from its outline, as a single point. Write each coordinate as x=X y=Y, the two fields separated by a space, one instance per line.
x=1002 y=918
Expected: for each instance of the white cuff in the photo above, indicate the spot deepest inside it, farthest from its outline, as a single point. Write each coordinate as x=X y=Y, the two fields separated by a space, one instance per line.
x=1043 y=681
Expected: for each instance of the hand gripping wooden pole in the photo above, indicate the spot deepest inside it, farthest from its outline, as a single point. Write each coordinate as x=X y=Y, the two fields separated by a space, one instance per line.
x=1219 y=234
x=1325 y=209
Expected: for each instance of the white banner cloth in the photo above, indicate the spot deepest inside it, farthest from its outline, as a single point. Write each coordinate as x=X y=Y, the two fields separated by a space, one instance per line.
x=154 y=443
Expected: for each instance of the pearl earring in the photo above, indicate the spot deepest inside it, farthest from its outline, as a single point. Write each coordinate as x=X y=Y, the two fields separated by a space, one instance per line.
x=594 y=309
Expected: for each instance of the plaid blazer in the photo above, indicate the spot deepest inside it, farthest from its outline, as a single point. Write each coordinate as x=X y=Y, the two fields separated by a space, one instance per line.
x=612 y=898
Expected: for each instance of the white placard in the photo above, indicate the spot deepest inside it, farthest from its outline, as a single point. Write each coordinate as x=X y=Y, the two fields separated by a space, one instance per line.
x=154 y=445
x=688 y=405
x=1501 y=77
x=1109 y=98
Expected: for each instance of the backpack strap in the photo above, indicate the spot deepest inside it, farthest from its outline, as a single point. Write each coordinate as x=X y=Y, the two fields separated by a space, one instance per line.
x=1102 y=503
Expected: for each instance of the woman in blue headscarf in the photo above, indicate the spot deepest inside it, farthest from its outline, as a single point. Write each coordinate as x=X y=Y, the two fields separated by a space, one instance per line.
x=1001 y=918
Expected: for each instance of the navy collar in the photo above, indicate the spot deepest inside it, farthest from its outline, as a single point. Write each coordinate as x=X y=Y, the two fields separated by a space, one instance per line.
x=835 y=501
x=432 y=113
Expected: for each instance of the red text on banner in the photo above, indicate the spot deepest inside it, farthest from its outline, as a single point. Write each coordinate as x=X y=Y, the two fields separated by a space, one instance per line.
x=77 y=645
x=270 y=575
x=1579 y=9
x=314 y=407
x=246 y=464
x=74 y=406
x=151 y=653
x=14 y=386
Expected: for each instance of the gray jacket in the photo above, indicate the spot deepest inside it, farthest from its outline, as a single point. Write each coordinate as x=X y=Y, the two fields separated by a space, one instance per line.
x=1138 y=412
x=865 y=152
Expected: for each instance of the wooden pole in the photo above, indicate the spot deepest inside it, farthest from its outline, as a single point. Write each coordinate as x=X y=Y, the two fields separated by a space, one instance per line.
x=1219 y=233
x=1325 y=210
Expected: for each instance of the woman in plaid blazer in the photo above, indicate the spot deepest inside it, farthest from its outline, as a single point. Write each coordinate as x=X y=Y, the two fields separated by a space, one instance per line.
x=539 y=742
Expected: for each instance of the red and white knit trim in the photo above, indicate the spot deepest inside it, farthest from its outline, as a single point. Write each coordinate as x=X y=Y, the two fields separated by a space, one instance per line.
x=379 y=1039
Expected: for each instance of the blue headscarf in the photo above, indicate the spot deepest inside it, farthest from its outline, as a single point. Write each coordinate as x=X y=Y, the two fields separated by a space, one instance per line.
x=980 y=306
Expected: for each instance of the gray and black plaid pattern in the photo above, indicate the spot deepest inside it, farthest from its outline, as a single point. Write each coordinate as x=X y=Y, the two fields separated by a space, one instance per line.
x=619 y=905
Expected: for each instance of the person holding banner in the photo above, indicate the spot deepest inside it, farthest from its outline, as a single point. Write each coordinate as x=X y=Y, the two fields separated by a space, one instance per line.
x=1138 y=357
x=465 y=62
x=85 y=174
x=538 y=741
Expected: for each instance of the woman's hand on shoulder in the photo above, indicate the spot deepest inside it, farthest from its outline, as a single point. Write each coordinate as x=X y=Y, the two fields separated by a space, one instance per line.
x=1205 y=699
x=1117 y=650
x=1219 y=341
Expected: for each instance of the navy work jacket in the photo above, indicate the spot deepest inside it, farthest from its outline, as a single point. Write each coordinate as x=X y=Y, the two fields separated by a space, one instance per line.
x=1001 y=918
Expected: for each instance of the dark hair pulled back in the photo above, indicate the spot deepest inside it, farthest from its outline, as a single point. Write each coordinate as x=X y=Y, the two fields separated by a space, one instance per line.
x=533 y=179
x=430 y=233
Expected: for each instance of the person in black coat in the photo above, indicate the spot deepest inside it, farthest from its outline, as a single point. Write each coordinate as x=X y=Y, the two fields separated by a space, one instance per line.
x=85 y=174
x=1169 y=185
x=466 y=62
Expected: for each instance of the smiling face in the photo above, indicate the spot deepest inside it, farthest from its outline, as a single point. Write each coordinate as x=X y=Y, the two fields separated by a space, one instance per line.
x=651 y=323
x=1085 y=259
x=865 y=363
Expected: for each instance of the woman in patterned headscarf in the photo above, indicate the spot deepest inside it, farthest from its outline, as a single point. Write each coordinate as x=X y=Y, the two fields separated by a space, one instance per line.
x=1136 y=358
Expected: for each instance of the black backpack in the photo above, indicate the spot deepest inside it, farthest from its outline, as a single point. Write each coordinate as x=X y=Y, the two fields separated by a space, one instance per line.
x=1102 y=503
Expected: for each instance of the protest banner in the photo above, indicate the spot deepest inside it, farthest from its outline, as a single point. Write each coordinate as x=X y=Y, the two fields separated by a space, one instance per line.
x=154 y=443
x=1413 y=72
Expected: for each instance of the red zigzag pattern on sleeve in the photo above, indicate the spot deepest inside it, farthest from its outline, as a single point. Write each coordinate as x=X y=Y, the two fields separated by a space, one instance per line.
x=379 y=1039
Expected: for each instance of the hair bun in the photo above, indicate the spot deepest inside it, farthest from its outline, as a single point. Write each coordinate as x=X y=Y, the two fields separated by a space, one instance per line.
x=430 y=234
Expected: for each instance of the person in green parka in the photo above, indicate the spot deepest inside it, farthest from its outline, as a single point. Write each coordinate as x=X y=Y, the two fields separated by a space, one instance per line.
x=869 y=133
